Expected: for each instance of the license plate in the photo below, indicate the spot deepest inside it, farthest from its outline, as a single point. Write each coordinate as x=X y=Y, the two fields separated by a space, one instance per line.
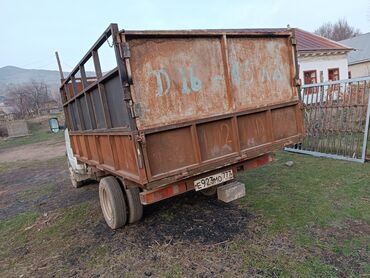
x=213 y=180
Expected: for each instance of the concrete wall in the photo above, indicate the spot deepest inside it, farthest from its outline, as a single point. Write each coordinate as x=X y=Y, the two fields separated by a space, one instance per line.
x=323 y=63
x=3 y=129
x=360 y=70
x=17 y=128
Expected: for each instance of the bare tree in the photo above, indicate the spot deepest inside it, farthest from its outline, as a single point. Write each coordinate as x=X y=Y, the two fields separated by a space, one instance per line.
x=28 y=98
x=337 y=31
x=38 y=91
x=18 y=97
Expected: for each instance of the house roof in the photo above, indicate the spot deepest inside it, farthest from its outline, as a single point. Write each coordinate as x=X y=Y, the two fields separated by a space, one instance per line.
x=361 y=46
x=309 y=42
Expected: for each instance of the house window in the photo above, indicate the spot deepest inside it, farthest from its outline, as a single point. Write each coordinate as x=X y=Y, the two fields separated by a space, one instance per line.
x=333 y=74
x=310 y=77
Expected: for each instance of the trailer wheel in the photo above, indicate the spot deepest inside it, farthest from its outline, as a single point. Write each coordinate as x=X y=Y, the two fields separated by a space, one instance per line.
x=135 y=208
x=112 y=202
x=209 y=192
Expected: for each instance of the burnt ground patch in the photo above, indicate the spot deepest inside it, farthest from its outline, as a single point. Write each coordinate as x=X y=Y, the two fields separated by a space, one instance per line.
x=191 y=218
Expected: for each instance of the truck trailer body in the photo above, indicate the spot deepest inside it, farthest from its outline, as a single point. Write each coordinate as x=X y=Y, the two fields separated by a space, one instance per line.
x=181 y=110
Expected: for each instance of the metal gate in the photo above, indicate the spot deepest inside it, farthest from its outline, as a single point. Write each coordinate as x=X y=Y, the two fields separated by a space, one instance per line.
x=336 y=119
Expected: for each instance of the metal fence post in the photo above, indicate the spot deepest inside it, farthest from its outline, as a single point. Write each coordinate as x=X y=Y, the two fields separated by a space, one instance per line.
x=334 y=119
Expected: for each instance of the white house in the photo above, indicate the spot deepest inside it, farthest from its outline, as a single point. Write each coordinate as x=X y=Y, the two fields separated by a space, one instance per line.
x=319 y=58
x=359 y=58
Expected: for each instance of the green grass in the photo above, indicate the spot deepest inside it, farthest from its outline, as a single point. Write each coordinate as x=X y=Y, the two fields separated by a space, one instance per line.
x=39 y=132
x=70 y=217
x=13 y=234
x=308 y=220
x=315 y=191
x=175 y=272
x=7 y=166
x=14 y=229
x=316 y=203
x=31 y=229
x=23 y=164
x=100 y=252
x=35 y=193
x=351 y=247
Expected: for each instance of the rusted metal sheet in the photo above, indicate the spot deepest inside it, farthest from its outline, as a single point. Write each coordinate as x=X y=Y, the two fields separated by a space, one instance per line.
x=261 y=71
x=176 y=142
x=184 y=151
x=181 y=79
x=216 y=139
x=173 y=79
x=206 y=100
x=112 y=152
x=184 y=103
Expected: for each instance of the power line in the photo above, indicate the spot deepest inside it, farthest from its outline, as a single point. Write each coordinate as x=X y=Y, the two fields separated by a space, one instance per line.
x=37 y=61
x=68 y=66
x=41 y=67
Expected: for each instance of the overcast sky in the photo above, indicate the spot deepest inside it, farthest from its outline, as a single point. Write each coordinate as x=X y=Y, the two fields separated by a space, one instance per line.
x=31 y=31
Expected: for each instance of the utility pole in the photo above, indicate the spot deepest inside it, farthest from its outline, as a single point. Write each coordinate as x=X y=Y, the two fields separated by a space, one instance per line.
x=59 y=66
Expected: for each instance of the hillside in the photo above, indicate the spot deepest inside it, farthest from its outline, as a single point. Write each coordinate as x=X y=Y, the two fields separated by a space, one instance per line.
x=14 y=75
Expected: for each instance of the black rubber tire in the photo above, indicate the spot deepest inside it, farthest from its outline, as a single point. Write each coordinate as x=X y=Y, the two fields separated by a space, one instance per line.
x=210 y=192
x=135 y=208
x=112 y=202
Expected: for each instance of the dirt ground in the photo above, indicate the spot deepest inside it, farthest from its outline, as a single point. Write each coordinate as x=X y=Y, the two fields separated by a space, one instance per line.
x=204 y=223
x=50 y=229
x=33 y=152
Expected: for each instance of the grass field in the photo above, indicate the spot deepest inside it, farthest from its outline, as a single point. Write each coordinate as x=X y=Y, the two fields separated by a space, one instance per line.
x=39 y=132
x=308 y=220
x=322 y=206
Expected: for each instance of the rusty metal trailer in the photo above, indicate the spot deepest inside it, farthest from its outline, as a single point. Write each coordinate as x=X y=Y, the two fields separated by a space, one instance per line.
x=178 y=109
